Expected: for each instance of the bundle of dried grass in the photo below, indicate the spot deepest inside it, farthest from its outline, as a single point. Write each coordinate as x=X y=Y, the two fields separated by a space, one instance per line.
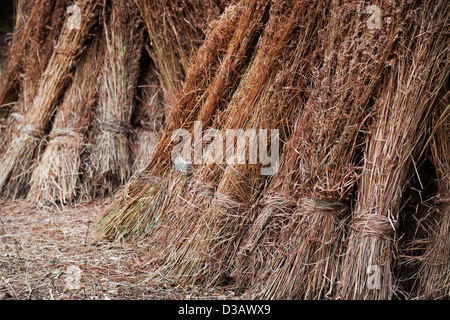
x=216 y=209
x=56 y=177
x=292 y=249
x=400 y=123
x=30 y=51
x=285 y=236
x=26 y=19
x=176 y=29
x=433 y=277
x=110 y=158
x=18 y=159
x=135 y=206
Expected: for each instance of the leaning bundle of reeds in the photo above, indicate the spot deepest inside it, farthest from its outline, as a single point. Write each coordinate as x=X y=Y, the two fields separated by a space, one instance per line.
x=30 y=51
x=26 y=20
x=291 y=248
x=433 y=277
x=136 y=206
x=176 y=29
x=56 y=177
x=216 y=209
x=361 y=97
x=110 y=158
x=17 y=161
x=396 y=136
x=9 y=74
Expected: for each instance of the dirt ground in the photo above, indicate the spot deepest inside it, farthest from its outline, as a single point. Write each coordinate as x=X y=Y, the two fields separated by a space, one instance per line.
x=54 y=253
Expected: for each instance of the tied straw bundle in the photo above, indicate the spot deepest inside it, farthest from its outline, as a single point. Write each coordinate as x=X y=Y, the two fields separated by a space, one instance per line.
x=176 y=32
x=400 y=122
x=292 y=248
x=433 y=278
x=285 y=241
x=215 y=211
x=176 y=29
x=37 y=28
x=57 y=176
x=110 y=158
x=135 y=206
x=17 y=162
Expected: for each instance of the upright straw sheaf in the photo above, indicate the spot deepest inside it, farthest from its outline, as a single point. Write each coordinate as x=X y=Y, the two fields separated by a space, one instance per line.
x=400 y=123
x=176 y=29
x=56 y=179
x=31 y=50
x=131 y=211
x=110 y=157
x=291 y=250
x=434 y=273
x=18 y=160
x=215 y=206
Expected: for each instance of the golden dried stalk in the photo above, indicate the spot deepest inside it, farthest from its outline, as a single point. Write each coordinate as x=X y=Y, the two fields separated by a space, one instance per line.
x=30 y=51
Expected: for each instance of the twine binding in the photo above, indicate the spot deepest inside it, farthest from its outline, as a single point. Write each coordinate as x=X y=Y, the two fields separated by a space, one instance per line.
x=116 y=126
x=374 y=224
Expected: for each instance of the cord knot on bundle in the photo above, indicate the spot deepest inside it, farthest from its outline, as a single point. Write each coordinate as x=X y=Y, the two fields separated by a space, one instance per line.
x=280 y=201
x=33 y=131
x=375 y=224
x=116 y=126
x=17 y=117
x=311 y=205
x=68 y=135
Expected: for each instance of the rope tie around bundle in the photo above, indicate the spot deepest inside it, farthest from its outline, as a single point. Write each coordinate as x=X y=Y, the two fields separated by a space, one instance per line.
x=33 y=131
x=305 y=205
x=65 y=135
x=151 y=179
x=321 y=206
x=229 y=203
x=280 y=201
x=375 y=225
x=17 y=117
x=443 y=198
x=116 y=126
